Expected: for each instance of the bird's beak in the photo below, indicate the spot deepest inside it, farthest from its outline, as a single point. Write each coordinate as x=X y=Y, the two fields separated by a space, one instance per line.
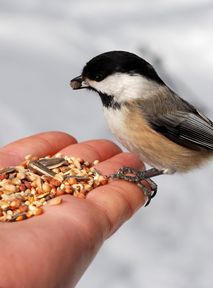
x=78 y=83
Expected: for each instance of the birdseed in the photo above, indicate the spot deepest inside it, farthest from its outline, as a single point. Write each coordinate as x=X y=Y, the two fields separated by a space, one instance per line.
x=26 y=188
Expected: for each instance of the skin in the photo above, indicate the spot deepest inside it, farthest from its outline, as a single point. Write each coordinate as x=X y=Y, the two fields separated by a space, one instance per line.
x=55 y=248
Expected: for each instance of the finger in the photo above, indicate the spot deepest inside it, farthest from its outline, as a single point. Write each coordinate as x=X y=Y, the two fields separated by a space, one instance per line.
x=119 y=199
x=112 y=164
x=92 y=150
x=42 y=144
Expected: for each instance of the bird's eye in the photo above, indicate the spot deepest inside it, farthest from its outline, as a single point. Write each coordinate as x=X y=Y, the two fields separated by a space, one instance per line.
x=99 y=77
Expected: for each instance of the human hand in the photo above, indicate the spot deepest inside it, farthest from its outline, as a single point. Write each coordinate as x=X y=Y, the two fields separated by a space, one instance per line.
x=54 y=249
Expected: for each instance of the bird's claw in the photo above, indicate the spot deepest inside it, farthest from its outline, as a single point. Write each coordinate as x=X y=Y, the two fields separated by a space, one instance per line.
x=137 y=176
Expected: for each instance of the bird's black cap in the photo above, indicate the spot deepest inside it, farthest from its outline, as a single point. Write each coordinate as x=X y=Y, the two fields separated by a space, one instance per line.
x=112 y=62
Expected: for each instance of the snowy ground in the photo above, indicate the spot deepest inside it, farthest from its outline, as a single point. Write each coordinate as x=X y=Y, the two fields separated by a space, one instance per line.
x=44 y=44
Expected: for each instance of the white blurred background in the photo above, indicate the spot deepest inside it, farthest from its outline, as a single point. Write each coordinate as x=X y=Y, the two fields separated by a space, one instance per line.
x=44 y=44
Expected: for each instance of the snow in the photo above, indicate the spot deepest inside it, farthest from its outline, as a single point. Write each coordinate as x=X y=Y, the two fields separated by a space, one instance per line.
x=44 y=44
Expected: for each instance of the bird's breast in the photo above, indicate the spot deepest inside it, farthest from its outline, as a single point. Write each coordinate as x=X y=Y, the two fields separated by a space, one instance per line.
x=116 y=122
x=126 y=133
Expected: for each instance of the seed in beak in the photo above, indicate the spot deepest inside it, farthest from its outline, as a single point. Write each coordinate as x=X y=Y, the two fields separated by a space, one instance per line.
x=76 y=83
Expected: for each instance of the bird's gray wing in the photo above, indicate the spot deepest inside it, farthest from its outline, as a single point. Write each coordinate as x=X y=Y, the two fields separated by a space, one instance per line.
x=189 y=129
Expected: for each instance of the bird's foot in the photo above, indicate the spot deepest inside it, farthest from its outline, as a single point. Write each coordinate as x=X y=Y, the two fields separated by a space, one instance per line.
x=137 y=176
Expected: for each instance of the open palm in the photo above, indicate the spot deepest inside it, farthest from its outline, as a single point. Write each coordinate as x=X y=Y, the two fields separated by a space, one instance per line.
x=54 y=249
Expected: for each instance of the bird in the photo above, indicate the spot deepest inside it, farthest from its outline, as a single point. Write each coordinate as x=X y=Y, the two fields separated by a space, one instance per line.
x=147 y=117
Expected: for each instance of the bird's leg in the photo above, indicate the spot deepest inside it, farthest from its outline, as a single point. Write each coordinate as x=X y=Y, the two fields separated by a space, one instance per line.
x=137 y=176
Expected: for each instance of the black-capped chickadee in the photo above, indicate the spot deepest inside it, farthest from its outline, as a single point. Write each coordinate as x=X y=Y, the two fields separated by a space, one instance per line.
x=147 y=117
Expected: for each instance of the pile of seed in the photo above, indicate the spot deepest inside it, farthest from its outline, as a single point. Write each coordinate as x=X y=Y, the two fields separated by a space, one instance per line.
x=25 y=188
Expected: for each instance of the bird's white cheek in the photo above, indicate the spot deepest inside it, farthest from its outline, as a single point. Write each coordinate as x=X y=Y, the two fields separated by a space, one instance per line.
x=108 y=86
x=123 y=86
